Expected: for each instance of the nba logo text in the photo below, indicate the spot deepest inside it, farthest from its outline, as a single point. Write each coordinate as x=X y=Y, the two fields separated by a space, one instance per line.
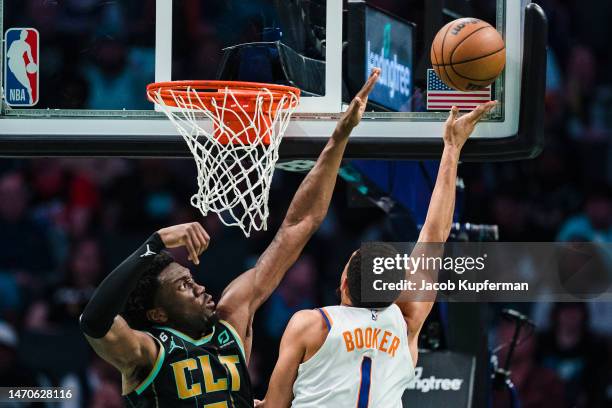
x=21 y=69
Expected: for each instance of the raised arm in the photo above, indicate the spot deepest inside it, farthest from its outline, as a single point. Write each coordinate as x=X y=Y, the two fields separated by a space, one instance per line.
x=305 y=334
x=280 y=389
x=439 y=217
x=307 y=210
x=107 y=332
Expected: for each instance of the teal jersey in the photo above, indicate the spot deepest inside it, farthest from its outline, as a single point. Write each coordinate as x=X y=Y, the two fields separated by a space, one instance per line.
x=210 y=372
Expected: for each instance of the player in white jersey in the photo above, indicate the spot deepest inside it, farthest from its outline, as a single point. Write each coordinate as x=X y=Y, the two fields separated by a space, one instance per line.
x=362 y=354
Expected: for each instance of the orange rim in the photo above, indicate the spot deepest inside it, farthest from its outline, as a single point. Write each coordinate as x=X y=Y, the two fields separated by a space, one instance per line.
x=245 y=93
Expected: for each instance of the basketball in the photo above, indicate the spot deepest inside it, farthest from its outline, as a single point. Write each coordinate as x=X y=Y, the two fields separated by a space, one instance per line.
x=31 y=68
x=468 y=54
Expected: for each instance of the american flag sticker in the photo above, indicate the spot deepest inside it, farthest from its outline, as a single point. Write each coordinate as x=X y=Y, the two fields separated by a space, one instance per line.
x=442 y=97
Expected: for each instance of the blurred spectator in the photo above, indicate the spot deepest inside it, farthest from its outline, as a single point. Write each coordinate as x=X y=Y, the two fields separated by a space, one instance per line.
x=296 y=292
x=73 y=92
x=44 y=16
x=105 y=383
x=511 y=214
x=554 y=97
x=147 y=195
x=26 y=254
x=21 y=237
x=107 y=396
x=575 y=354
x=111 y=81
x=12 y=370
x=527 y=375
x=51 y=327
x=78 y=16
x=68 y=298
x=258 y=375
x=83 y=276
x=593 y=224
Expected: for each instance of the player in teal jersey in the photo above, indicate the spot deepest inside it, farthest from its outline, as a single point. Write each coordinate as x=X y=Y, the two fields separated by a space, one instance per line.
x=173 y=346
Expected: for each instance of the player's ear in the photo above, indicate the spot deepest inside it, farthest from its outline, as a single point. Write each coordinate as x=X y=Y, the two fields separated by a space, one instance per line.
x=157 y=315
x=345 y=295
x=344 y=286
x=344 y=282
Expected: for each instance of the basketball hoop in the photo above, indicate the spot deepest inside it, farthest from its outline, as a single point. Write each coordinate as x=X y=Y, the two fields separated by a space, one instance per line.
x=234 y=130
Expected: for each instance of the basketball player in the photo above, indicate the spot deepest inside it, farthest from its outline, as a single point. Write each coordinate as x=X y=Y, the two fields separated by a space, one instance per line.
x=362 y=354
x=173 y=346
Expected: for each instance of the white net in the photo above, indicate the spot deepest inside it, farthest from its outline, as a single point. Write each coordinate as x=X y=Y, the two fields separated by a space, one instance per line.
x=235 y=147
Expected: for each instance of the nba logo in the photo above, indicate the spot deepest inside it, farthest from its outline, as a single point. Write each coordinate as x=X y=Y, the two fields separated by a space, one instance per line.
x=21 y=53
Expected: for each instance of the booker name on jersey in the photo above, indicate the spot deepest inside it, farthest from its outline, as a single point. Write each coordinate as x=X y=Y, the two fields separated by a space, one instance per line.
x=364 y=362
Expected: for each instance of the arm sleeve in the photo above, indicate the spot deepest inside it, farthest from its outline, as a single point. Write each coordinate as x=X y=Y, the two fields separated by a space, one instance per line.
x=110 y=297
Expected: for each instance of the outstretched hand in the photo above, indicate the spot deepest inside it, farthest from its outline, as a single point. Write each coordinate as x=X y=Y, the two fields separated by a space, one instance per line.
x=353 y=114
x=457 y=130
x=192 y=235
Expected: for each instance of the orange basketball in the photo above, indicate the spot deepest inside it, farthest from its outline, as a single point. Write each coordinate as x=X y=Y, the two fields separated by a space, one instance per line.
x=468 y=54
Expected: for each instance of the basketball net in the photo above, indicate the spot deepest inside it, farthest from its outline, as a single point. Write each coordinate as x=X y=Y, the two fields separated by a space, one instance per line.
x=235 y=157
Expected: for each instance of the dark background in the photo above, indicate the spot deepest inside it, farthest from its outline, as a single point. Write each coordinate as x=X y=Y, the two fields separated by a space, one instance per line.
x=65 y=223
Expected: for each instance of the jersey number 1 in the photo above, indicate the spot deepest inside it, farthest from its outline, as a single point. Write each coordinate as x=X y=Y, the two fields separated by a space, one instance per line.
x=364 y=388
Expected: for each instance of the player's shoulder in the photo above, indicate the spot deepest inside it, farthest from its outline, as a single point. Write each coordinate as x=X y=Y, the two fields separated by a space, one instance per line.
x=307 y=328
x=307 y=322
x=305 y=318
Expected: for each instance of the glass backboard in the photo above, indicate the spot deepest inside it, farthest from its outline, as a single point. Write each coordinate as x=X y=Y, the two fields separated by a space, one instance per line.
x=92 y=59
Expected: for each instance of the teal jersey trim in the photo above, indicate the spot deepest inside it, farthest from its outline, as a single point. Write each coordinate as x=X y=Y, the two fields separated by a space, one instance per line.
x=236 y=336
x=197 y=342
x=156 y=367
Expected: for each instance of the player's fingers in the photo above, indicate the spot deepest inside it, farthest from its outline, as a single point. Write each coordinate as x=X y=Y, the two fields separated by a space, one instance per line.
x=199 y=232
x=198 y=241
x=452 y=115
x=475 y=115
x=192 y=237
x=370 y=83
x=354 y=106
x=191 y=249
x=486 y=108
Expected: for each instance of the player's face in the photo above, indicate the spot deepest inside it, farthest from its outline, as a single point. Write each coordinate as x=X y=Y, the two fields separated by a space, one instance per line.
x=184 y=301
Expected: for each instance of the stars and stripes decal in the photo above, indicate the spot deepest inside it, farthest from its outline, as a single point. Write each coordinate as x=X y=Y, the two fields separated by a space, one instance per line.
x=442 y=97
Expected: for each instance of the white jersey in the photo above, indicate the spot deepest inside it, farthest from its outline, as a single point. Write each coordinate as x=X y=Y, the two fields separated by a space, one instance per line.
x=364 y=362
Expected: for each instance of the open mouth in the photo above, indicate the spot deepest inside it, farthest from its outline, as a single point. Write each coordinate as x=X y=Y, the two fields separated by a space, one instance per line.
x=209 y=302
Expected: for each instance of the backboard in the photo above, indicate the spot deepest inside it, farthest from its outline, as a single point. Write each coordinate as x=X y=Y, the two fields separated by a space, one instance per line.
x=92 y=60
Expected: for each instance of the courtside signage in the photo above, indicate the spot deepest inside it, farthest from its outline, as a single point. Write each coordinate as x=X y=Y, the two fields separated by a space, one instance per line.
x=442 y=379
x=21 y=66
